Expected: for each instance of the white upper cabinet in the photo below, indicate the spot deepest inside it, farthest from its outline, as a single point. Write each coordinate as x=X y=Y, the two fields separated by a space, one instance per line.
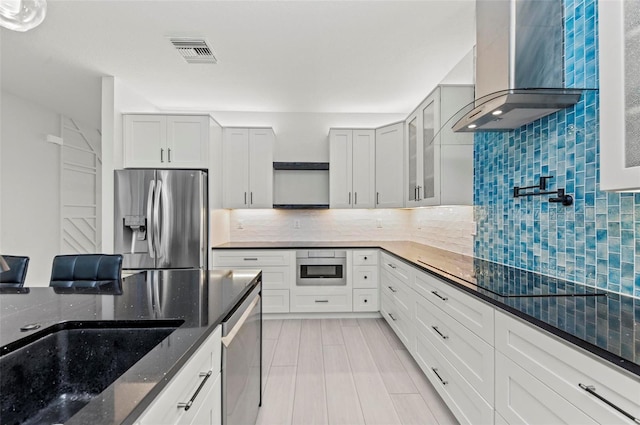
x=351 y=168
x=390 y=166
x=619 y=103
x=247 y=156
x=166 y=141
x=439 y=162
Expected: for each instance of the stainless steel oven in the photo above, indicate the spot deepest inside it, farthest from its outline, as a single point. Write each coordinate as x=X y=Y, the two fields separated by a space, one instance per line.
x=321 y=268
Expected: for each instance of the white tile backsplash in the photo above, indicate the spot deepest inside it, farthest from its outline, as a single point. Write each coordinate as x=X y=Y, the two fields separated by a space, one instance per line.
x=444 y=227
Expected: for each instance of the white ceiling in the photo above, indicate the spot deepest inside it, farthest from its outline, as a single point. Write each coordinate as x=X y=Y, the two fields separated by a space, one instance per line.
x=273 y=56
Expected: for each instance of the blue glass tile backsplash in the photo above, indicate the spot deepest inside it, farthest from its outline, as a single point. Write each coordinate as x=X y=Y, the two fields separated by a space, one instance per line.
x=595 y=241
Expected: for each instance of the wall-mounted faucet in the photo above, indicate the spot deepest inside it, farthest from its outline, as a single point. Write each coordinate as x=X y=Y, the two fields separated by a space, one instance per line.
x=566 y=200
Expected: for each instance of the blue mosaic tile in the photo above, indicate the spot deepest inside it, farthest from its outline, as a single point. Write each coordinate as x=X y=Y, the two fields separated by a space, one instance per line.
x=596 y=241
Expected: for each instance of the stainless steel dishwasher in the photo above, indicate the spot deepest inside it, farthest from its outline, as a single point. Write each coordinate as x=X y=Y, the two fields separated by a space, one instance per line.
x=242 y=362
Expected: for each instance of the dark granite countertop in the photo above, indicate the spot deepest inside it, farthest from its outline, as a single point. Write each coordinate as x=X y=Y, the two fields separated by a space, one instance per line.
x=605 y=323
x=201 y=299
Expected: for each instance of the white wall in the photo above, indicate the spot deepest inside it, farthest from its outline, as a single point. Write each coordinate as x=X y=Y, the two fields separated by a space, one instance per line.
x=117 y=99
x=30 y=169
x=303 y=136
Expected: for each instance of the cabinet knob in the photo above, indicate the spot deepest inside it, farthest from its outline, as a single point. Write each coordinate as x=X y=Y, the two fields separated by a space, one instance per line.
x=366 y=277
x=365 y=258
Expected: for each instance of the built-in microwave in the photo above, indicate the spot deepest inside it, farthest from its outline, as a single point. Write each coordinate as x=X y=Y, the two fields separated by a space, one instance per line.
x=321 y=268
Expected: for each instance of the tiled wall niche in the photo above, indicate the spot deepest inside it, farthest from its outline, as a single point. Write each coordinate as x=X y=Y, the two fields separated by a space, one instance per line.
x=596 y=241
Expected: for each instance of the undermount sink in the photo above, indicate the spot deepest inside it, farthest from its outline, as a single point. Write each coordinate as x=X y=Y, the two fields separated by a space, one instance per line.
x=50 y=375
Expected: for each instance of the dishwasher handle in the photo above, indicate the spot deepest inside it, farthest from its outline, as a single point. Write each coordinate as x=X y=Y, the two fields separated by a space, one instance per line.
x=228 y=339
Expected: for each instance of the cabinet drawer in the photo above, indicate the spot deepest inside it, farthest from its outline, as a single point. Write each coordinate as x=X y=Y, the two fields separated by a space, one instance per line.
x=400 y=323
x=254 y=258
x=365 y=257
x=365 y=300
x=563 y=368
x=164 y=409
x=277 y=277
x=474 y=314
x=397 y=268
x=275 y=300
x=468 y=353
x=521 y=398
x=319 y=302
x=465 y=403
x=365 y=276
x=399 y=292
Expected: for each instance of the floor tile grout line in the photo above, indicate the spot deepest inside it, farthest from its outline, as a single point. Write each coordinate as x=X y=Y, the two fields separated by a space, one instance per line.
x=385 y=385
x=295 y=380
x=353 y=379
x=426 y=402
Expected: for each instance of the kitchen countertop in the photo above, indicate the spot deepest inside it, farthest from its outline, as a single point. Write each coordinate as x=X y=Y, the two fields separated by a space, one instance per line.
x=604 y=323
x=201 y=299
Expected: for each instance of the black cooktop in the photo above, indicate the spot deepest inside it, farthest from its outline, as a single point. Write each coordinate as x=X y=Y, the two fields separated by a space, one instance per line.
x=508 y=282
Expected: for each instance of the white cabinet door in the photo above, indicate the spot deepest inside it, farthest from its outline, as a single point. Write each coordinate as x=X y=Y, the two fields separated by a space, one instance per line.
x=235 y=164
x=619 y=128
x=340 y=176
x=523 y=399
x=261 y=168
x=145 y=138
x=187 y=141
x=363 y=168
x=389 y=168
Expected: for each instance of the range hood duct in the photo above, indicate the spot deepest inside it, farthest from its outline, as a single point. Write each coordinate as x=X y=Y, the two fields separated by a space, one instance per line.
x=519 y=64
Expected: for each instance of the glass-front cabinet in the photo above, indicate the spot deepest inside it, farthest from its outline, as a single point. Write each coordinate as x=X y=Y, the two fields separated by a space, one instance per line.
x=619 y=27
x=439 y=162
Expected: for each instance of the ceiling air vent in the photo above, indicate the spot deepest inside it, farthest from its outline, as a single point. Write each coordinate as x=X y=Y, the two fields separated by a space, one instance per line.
x=194 y=50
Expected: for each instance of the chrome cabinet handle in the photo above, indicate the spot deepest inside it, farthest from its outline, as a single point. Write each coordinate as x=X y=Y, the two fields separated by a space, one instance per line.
x=251 y=198
x=349 y=198
x=245 y=198
x=391 y=265
x=435 y=328
x=250 y=259
x=419 y=198
x=355 y=198
x=592 y=390
x=186 y=406
x=322 y=301
x=391 y=289
x=161 y=155
x=438 y=375
x=377 y=197
x=439 y=296
x=169 y=154
x=392 y=317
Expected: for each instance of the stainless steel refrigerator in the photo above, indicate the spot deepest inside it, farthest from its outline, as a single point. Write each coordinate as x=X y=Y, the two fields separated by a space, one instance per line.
x=161 y=219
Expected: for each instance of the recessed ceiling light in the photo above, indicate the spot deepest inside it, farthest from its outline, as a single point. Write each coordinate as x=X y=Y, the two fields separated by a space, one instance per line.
x=471 y=126
x=497 y=112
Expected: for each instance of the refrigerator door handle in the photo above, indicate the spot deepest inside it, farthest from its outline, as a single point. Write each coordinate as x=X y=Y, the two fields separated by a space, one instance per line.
x=156 y=219
x=152 y=185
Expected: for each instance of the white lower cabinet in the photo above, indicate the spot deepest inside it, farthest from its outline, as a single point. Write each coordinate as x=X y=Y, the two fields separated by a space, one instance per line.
x=523 y=399
x=565 y=370
x=318 y=300
x=278 y=272
x=201 y=376
x=465 y=403
x=275 y=300
x=401 y=324
x=467 y=353
x=365 y=300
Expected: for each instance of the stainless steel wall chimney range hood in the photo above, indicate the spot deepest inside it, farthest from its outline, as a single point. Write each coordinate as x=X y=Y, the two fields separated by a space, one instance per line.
x=519 y=64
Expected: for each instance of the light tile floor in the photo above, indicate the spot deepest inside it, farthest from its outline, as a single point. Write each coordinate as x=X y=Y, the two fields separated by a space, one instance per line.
x=343 y=372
